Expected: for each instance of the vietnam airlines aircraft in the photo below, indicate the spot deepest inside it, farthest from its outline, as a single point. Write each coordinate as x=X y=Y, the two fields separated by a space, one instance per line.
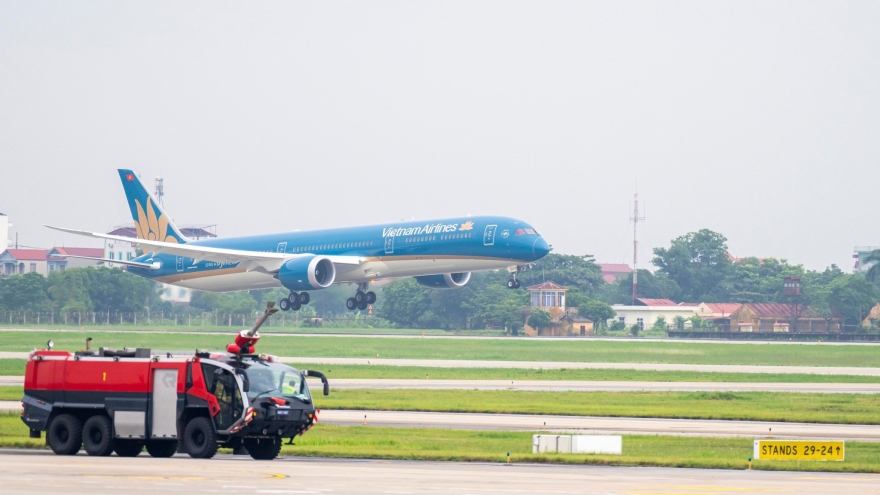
x=440 y=254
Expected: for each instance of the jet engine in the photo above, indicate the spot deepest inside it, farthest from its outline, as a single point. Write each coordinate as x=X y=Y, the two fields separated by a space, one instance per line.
x=307 y=273
x=445 y=281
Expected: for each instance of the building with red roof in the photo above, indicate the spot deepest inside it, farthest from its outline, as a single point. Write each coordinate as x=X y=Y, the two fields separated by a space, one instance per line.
x=612 y=272
x=783 y=318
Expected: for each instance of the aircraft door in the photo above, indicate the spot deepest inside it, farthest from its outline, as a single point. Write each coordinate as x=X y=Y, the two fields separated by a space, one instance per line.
x=389 y=244
x=489 y=235
x=282 y=247
x=180 y=263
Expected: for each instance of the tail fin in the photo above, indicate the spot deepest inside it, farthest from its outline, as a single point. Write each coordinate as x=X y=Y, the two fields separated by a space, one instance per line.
x=150 y=221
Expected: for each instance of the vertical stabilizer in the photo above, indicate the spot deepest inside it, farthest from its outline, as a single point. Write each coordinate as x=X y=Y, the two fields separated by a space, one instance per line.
x=150 y=221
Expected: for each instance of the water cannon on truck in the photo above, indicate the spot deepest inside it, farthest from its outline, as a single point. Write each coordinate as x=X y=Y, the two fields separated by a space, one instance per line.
x=126 y=400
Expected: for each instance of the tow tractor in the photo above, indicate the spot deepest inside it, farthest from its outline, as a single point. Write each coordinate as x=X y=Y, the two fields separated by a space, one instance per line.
x=124 y=400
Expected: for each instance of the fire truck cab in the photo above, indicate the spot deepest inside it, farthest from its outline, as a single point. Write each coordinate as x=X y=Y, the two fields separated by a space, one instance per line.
x=124 y=400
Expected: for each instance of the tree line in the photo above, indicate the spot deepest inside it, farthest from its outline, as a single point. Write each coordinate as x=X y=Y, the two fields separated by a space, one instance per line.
x=695 y=267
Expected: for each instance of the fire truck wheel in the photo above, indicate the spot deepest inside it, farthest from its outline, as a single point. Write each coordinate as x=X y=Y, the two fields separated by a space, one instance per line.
x=128 y=448
x=263 y=449
x=65 y=435
x=97 y=436
x=199 y=438
x=162 y=448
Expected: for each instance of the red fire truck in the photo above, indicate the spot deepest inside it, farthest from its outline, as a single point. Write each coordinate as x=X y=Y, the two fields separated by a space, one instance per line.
x=124 y=400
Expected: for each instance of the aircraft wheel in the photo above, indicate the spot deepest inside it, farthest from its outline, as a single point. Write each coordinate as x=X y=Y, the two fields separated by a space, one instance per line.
x=511 y=284
x=304 y=298
x=362 y=305
x=516 y=284
x=284 y=304
x=360 y=297
x=351 y=304
x=296 y=307
x=371 y=297
x=293 y=298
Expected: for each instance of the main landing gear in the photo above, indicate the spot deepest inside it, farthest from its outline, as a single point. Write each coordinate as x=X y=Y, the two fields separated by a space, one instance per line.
x=361 y=298
x=294 y=301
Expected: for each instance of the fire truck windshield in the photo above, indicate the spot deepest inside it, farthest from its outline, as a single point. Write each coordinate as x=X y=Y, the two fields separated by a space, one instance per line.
x=273 y=379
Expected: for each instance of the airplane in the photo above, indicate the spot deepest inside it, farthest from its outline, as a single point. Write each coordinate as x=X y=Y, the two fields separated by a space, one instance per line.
x=440 y=254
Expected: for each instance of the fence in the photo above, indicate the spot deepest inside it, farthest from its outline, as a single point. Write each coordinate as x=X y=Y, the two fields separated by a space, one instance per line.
x=208 y=320
x=824 y=337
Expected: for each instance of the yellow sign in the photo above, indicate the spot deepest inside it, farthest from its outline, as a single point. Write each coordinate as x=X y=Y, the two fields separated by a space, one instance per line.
x=798 y=450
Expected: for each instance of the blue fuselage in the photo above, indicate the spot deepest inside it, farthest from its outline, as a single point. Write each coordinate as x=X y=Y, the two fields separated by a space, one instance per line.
x=403 y=249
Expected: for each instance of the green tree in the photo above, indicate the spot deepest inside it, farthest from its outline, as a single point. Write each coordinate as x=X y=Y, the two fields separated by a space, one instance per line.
x=69 y=290
x=659 y=324
x=678 y=322
x=26 y=292
x=659 y=286
x=853 y=296
x=698 y=262
x=404 y=303
x=873 y=273
x=567 y=270
x=597 y=311
x=539 y=319
x=755 y=281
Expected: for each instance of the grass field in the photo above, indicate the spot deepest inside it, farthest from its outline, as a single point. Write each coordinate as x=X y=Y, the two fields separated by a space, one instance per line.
x=10 y=367
x=493 y=349
x=492 y=446
x=274 y=327
x=758 y=406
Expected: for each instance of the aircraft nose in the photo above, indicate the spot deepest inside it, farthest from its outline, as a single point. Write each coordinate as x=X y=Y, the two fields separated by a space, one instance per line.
x=540 y=248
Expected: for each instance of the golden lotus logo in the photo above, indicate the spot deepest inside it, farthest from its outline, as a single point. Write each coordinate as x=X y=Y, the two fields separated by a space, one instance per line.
x=467 y=226
x=151 y=227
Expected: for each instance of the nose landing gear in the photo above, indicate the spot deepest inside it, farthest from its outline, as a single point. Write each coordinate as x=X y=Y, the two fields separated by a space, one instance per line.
x=361 y=299
x=513 y=283
x=294 y=301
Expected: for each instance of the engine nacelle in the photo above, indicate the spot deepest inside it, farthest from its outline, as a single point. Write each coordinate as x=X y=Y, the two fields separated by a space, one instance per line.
x=307 y=273
x=445 y=281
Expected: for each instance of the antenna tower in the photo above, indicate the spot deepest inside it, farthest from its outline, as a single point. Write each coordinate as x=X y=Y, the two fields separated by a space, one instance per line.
x=160 y=190
x=635 y=219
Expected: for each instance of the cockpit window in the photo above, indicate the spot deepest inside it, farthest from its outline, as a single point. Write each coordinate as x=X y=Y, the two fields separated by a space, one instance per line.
x=525 y=232
x=267 y=380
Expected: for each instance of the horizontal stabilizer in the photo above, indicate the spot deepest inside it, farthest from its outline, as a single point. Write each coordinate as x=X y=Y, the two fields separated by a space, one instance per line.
x=148 y=266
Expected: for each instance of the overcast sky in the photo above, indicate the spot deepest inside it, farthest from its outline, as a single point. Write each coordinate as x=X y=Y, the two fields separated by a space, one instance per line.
x=759 y=120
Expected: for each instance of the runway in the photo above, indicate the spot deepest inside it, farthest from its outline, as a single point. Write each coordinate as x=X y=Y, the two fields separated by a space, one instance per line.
x=554 y=365
x=40 y=472
x=276 y=332
x=600 y=386
x=575 y=386
x=605 y=425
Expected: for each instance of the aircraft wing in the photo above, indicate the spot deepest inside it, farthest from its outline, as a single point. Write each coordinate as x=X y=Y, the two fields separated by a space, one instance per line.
x=260 y=260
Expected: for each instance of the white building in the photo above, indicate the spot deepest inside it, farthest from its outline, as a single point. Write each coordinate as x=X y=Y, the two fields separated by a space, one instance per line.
x=4 y=232
x=646 y=316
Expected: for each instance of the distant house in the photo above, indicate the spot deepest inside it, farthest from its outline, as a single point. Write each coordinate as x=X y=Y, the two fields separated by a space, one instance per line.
x=57 y=261
x=612 y=272
x=873 y=316
x=782 y=318
x=717 y=313
x=565 y=321
x=642 y=301
x=21 y=261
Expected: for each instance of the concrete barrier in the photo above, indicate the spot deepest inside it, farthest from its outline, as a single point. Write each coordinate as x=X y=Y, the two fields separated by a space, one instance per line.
x=577 y=444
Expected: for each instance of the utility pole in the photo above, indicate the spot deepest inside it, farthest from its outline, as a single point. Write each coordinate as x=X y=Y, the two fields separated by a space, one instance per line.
x=160 y=191
x=635 y=219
